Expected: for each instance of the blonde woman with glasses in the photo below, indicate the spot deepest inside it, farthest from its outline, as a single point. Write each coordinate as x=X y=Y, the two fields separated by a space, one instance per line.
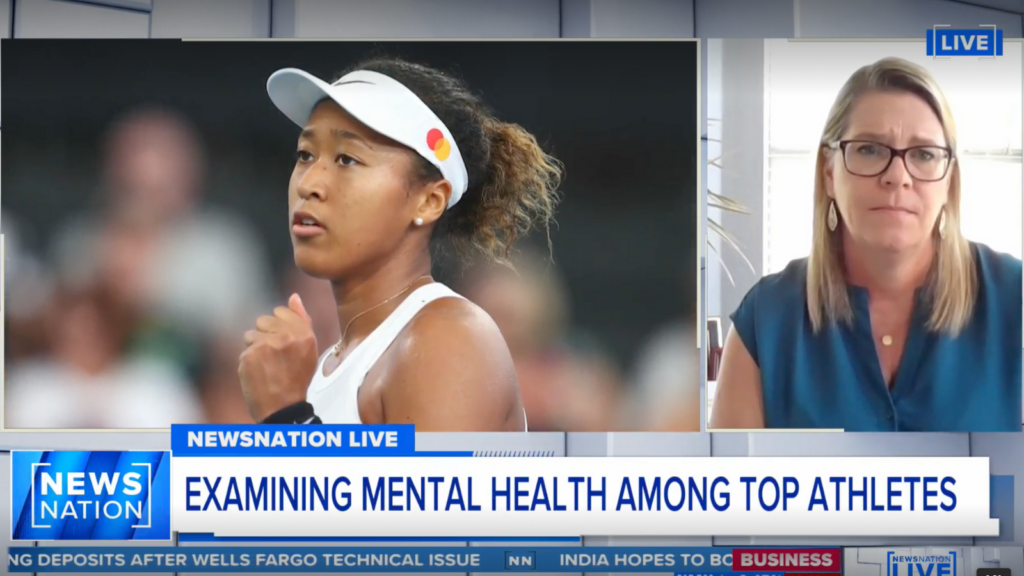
x=895 y=322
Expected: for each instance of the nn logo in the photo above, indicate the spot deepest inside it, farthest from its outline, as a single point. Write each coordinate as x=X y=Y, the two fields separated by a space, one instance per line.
x=520 y=561
x=924 y=565
x=982 y=42
x=90 y=496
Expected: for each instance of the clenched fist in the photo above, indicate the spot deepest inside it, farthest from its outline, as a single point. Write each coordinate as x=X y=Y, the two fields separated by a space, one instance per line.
x=280 y=360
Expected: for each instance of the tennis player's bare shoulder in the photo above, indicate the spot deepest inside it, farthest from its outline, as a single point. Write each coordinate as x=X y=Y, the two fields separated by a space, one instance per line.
x=450 y=370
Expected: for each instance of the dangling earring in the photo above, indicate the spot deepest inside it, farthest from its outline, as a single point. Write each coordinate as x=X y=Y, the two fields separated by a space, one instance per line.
x=942 y=223
x=833 y=219
x=418 y=221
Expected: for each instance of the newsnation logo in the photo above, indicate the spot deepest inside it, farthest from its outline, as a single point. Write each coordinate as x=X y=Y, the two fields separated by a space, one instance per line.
x=923 y=565
x=984 y=42
x=90 y=496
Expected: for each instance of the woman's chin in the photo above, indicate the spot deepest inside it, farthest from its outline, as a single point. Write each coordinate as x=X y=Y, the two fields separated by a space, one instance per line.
x=893 y=240
x=315 y=263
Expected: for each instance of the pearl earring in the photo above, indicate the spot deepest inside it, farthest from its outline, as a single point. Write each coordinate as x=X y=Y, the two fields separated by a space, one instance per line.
x=418 y=221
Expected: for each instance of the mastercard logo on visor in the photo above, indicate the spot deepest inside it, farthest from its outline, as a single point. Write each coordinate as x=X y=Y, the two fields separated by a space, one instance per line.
x=439 y=144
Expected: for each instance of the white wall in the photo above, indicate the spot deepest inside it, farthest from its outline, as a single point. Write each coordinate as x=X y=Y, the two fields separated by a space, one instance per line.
x=499 y=18
x=760 y=18
x=642 y=18
x=742 y=178
x=711 y=177
x=143 y=5
x=5 y=21
x=416 y=19
x=59 y=19
x=205 y=19
x=1016 y=6
x=5 y=18
x=895 y=19
x=627 y=18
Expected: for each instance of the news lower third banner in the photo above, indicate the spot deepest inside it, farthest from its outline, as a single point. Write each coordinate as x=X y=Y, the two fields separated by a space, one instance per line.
x=695 y=561
x=224 y=483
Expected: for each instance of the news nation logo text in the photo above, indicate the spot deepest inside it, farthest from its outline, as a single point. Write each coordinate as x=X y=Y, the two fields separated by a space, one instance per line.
x=982 y=42
x=90 y=496
x=900 y=564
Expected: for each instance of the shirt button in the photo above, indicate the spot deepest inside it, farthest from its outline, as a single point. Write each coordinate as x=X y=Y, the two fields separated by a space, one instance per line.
x=888 y=415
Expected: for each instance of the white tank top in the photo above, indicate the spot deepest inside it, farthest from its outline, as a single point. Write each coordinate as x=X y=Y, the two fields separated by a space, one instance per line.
x=335 y=398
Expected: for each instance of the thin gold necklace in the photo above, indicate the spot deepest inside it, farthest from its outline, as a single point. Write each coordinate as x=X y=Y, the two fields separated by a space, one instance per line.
x=337 y=347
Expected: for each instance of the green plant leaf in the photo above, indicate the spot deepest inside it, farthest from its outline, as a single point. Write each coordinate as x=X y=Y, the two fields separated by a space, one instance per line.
x=728 y=205
x=725 y=203
x=721 y=262
x=718 y=229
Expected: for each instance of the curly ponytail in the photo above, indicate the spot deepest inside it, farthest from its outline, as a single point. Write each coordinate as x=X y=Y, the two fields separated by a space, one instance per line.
x=513 y=182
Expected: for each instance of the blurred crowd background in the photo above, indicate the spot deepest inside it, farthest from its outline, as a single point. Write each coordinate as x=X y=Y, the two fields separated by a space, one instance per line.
x=144 y=218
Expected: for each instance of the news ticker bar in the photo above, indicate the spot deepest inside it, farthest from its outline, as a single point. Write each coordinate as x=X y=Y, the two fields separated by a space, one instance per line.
x=678 y=560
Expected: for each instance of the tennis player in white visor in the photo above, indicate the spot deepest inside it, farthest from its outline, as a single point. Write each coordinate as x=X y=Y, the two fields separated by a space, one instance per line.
x=389 y=157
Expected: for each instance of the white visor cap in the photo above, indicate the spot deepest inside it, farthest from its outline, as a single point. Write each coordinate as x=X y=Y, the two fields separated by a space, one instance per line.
x=383 y=104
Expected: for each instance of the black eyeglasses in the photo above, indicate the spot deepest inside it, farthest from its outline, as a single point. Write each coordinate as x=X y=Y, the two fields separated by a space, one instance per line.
x=867 y=158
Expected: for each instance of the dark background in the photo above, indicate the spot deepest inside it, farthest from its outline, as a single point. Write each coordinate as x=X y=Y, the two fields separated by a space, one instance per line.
x=622 y=116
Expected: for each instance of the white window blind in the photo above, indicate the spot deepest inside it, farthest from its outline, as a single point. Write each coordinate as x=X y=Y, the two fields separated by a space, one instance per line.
x=802 y=80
